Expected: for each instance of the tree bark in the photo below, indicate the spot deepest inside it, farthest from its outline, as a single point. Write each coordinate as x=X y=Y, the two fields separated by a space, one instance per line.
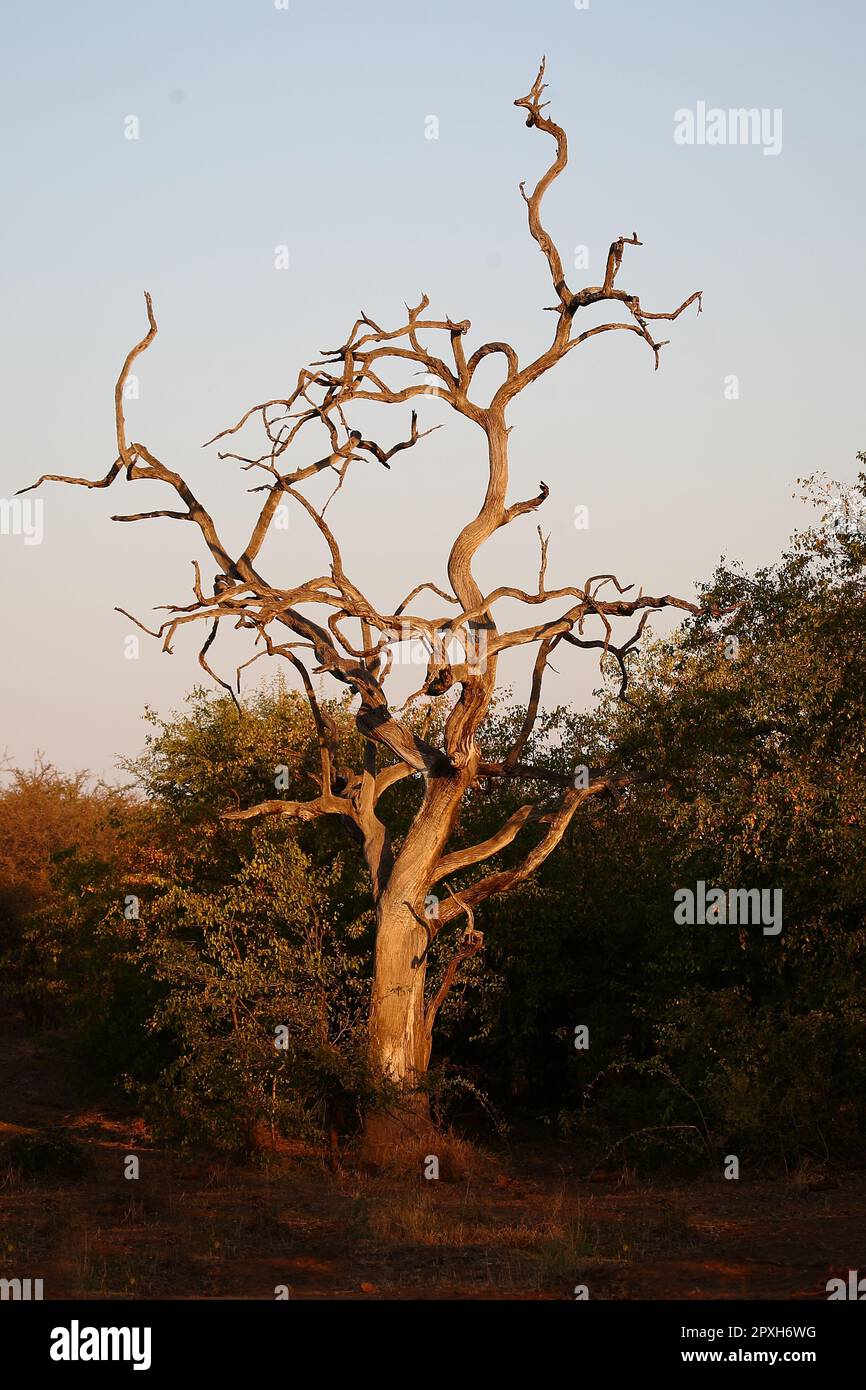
x=400 y=1039
x=399 y=1042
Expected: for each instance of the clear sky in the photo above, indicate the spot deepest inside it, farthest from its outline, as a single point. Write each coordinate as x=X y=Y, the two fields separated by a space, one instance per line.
x=306 y=127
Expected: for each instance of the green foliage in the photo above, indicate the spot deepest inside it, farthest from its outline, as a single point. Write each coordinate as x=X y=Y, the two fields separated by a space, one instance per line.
x=263 y=952
x=250 y=927
x=753 y=755
x=60 y=839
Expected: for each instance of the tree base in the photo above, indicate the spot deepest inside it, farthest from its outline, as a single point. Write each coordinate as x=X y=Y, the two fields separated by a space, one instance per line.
x=399 y=1134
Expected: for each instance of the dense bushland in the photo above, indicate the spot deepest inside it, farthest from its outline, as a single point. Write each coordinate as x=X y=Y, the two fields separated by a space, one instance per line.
x=167 y=946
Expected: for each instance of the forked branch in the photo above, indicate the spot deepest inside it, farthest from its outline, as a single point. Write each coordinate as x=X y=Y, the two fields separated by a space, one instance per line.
x=327 y=626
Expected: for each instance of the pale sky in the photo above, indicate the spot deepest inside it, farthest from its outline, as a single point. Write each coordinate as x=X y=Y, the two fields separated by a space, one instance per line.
x=306 y=127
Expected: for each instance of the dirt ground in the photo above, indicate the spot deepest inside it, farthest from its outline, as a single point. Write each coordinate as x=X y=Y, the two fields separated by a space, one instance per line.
x=523 y=1226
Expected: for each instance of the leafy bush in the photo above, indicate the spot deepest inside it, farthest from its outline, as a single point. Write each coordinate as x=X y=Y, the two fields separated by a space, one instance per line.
x=48 y=1153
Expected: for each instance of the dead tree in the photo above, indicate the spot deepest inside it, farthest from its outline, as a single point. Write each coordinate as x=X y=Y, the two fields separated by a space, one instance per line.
x=359 y=657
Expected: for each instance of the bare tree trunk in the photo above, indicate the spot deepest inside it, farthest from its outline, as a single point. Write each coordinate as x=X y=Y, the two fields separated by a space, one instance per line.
x=400 y=1028
x=399 y=1039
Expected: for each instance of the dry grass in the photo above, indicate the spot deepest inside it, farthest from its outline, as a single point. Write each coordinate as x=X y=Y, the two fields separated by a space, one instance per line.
x=200 y=1227
x=457 y=1159
x=510 y=1249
